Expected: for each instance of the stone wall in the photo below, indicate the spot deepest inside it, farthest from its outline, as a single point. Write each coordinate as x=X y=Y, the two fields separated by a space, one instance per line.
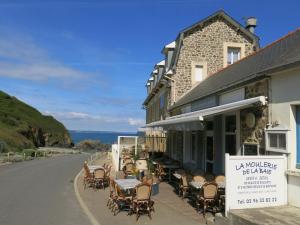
x=205 y=44
x=255 y=135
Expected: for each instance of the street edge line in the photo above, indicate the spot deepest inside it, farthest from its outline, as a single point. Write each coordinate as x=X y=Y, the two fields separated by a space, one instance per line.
x=82 y=204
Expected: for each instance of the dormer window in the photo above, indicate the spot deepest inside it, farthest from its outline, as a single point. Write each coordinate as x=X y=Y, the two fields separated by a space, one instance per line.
x=233 y=55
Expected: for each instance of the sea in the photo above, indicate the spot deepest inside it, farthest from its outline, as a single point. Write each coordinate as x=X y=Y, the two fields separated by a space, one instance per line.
x=106 y=137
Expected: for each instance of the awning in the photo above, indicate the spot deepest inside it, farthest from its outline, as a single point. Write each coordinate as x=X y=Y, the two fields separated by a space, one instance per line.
x=200 y=114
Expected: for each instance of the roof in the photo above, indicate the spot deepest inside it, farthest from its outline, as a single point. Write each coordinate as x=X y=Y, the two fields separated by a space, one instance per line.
x=171 y=45
x=220 y=14
x=281 y=54
x=161 y=63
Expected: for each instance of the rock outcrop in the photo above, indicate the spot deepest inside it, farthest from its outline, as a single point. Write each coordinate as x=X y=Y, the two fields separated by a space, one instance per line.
x=22 y=126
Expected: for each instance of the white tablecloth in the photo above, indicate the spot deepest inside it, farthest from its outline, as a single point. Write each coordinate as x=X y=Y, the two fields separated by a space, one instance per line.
x=177 y=176
x=126 y=184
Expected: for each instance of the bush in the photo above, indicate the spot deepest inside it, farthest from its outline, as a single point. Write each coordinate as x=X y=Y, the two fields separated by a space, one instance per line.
x=29 y=152
x=92 y=145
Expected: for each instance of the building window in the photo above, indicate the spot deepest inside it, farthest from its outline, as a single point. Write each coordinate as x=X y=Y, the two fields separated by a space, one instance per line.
x=276 y=140
x=298 y=136
x=233 y=55
x=198 y=71
x=232 y=52
x=198 y=75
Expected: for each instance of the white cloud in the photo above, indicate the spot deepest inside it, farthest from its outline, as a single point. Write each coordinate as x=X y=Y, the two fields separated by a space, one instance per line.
x=136 y=122
x=23 y=59
x=100 y=120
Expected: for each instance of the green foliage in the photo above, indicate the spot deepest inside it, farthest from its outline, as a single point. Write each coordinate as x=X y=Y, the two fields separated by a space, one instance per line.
x=92 y=145
x=17 y=120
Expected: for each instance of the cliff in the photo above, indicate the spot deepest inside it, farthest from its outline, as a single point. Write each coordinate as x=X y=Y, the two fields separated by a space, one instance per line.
x=22 y=126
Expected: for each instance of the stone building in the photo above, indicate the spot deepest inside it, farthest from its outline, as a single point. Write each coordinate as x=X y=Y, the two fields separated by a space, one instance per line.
x=198 y=51
x=251 y=107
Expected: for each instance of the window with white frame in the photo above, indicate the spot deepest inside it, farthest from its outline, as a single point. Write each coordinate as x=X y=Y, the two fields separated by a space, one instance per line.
x=198 y=73
x=233 y=55
x=276 y=140
x=199 y=70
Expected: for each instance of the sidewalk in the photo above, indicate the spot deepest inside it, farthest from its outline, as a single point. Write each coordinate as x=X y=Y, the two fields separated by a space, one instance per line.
x=170 y=209
x=285 y=215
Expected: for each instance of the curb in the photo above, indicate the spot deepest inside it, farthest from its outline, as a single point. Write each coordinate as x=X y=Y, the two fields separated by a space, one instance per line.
x=82 y=204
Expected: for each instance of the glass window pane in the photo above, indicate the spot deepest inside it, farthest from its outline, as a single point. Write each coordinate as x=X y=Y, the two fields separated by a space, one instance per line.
x=233 y=55
x=230 y=124
x=282 y=141
x=273 y=140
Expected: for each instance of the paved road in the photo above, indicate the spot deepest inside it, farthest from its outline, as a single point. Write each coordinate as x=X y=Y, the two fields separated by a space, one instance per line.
x=41 y=192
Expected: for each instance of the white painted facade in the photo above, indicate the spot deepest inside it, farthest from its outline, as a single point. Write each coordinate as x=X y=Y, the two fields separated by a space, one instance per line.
x=284 y=94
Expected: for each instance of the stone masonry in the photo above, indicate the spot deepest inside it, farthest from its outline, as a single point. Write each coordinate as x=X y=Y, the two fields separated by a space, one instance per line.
x=255 y=135
x=205 y=44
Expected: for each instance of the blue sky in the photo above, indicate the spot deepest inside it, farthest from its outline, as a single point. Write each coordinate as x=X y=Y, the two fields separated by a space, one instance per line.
x=86 y=61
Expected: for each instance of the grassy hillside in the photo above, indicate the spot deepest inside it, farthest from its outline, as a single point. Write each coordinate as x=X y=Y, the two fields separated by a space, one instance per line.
x=22 y=126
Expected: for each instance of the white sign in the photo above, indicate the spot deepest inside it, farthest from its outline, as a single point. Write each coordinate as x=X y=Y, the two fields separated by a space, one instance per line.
x=255 y=181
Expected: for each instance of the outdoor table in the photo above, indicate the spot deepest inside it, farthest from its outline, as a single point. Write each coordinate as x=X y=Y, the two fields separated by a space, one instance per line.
x=177 y=176
x=127 y=184
x=198 y=185
x=92 y=168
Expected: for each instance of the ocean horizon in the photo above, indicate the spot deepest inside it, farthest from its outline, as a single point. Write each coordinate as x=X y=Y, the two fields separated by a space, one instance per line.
x=107 y=137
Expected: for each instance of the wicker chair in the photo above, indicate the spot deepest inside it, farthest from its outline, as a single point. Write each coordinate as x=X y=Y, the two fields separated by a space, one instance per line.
x=88 y=177
x=107 y=174
x=221 y=191
x=99 y=177
x=184 y=187
x=199 y=178
x=121 y=201
x=129 y=169
x=142 y=203
x=112 y=194
x=208 y=198
x=160 y=172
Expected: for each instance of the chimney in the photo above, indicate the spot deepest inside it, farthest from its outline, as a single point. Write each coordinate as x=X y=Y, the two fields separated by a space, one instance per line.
x=251 y=24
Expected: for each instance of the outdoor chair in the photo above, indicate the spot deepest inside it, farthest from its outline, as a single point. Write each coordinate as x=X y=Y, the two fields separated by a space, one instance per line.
x=199 y=178
x=184 y=187
x=88 y=177
x=121 y=201
x=107 y=175
x=161 y=173
x=221 y=191
x=99 y=177
x=208 y=198
x=112 y=194
x=220 y=178
x=209 y=177
x=127 y=160
x=129 y=169
x=120 y=175
x=142 y=203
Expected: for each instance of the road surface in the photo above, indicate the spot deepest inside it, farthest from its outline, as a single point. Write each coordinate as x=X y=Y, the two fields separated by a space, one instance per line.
x=41 y=192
